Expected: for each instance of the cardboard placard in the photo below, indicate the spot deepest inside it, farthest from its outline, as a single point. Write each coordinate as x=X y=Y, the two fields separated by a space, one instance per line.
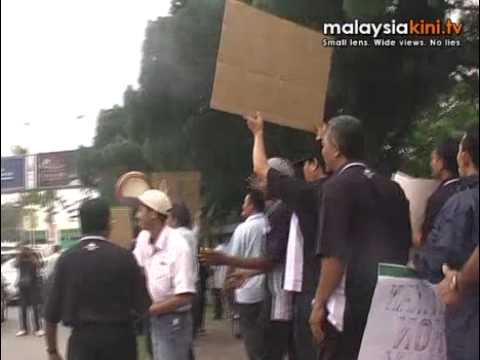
x=122 y=227
x=406 y=318
x=271 y=65
x=181 y=186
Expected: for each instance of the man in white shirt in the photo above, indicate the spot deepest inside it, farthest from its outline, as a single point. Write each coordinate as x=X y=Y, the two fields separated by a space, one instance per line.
x=248 y=240
x=167 y=260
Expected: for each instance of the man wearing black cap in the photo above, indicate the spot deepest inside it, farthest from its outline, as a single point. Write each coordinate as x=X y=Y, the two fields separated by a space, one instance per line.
x=302 y=198
x=98 y=290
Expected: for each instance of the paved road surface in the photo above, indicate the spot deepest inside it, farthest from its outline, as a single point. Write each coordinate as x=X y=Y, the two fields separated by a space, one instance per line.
x=217 y=344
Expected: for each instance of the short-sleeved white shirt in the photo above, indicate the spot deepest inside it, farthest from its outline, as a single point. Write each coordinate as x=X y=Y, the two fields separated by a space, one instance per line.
x=192 y=240
x=168 y=264
x=248 y=241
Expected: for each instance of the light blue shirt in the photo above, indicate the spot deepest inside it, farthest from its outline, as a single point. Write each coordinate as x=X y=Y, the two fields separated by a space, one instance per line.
x=248 y=241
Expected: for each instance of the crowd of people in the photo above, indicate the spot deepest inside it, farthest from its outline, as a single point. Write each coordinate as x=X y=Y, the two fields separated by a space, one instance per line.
x=301 y=269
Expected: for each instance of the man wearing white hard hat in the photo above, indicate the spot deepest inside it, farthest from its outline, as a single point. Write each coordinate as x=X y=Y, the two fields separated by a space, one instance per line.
x=167 y=260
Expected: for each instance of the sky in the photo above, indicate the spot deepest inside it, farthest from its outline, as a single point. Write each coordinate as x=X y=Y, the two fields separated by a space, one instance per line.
x=64 y=61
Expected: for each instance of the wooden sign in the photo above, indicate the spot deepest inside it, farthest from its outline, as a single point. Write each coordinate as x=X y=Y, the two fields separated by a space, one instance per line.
x=181 y=186
x=122 y=227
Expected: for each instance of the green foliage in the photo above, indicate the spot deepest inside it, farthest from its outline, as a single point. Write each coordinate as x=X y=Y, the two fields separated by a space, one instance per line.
x=48 y=200
x=11 y=221
x=18 y=150
x=451 y=115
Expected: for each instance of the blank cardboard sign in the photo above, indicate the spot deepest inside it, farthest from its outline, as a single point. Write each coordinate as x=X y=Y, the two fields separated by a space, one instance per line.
x=121 y=232
x=181 y=186
x=270 y=65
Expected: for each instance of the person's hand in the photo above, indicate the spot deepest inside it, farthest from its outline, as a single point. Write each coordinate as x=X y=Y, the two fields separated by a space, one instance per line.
x=255 y=123
x=212 y=257
x=55 y=356
x=448 y=289
x=318 y=321
x=236 y=279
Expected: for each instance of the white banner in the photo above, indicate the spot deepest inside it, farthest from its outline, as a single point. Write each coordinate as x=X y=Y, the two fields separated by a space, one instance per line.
x=406 y=320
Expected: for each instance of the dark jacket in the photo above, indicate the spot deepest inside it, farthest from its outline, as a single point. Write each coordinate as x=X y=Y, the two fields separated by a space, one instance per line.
x=453 y=239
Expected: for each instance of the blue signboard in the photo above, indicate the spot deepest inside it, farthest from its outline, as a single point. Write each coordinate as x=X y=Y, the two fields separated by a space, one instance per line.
x=13 y=174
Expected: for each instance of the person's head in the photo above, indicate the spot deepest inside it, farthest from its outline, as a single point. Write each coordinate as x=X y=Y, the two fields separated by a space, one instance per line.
x=343 y=142
x=467 y=156
x=23 y=251
x=310 y=168
x=444 y=160
x=57 y=248
x=180 y=216
x=152 y=213
x=283 y=166
x=253 y=203
x=95 y=217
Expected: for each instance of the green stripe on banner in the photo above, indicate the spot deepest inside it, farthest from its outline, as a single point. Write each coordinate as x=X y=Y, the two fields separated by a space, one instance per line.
x=394 y=270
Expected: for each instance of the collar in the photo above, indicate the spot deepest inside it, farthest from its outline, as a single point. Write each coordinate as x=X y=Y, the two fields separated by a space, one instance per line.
x=254 y=217
x=93 y=237
x=350 y=165
x=162 y=238
x=450 y=181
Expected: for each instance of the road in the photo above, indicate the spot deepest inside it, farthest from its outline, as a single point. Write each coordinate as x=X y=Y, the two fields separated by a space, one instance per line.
x=216 y=344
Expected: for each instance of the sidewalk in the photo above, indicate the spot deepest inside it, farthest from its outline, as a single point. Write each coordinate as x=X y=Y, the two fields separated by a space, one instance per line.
x=217 y=343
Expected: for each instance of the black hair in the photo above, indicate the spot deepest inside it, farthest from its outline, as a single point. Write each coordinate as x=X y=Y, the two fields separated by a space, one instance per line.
x=447 y=151
x=298 y=169
x=94 y=216
x=257 y=199
x=182 y=215
x=347 y=133
x=315 y=154
x=470 y=143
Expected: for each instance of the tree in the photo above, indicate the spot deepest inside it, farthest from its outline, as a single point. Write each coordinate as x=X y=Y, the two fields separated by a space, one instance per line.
x=453 y=114
x=18 y=150
x=166 y=124
x=11 y=221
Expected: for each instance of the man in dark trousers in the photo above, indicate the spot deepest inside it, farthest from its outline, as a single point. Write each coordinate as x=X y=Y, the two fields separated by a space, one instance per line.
x=97 y=290
x=29 y=287
x=363 y=221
